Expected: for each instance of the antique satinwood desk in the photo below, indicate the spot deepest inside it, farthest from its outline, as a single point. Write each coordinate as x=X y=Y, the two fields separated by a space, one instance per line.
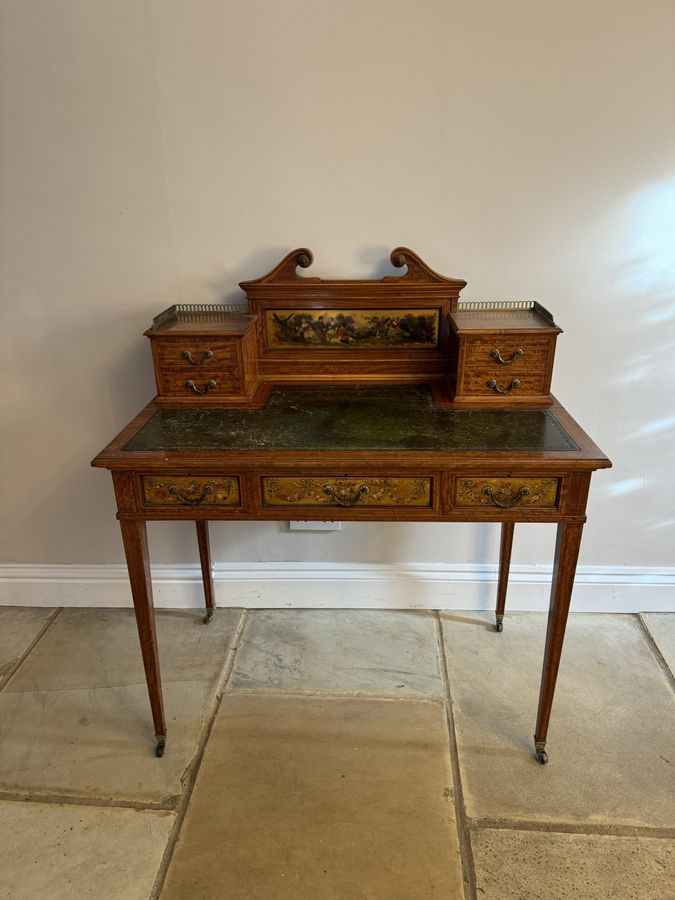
x=367 y=400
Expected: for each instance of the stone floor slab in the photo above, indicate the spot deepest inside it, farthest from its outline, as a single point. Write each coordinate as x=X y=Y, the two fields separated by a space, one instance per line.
x=385 y=653
x=528 y=865
x=324 y=798
x=19 y=627
x=75 y=718
x=661 y=627
x=99 y=648
x=610 y=742
x=72 y=852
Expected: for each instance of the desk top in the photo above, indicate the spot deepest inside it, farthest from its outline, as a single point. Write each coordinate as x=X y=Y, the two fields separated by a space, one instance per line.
x=351 y=418
x=313 y=425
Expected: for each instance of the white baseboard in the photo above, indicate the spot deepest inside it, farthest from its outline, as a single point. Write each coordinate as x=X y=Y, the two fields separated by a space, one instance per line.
x=342 y=585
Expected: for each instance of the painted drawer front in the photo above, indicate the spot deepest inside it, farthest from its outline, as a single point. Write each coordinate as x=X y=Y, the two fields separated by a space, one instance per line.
x=193 y=354
x=327 y=490
x=504 y=493
x=185 y=490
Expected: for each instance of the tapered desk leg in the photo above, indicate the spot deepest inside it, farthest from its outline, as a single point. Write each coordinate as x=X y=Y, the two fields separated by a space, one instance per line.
x=564 y=567
x=504 y=564
x=205 y=560
x=135 y=537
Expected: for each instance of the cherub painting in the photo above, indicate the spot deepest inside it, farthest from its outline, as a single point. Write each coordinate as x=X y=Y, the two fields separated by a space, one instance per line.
x=321 y=329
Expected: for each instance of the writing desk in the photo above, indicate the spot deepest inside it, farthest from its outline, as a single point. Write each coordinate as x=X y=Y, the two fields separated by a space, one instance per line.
x=358 y=454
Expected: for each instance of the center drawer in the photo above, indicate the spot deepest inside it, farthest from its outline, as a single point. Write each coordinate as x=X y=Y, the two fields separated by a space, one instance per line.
x=346 y=491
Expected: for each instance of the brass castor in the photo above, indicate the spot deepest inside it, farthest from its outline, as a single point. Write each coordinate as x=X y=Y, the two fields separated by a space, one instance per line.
x=159 y=749
x=208 y=616
x=542 y=755
x=499 y=626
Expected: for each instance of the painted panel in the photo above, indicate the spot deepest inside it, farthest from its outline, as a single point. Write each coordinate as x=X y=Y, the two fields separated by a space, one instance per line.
x=361 y=329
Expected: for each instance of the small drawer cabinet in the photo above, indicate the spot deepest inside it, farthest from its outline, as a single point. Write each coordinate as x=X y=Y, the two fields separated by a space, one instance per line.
x=504 y=354
x=204 y=356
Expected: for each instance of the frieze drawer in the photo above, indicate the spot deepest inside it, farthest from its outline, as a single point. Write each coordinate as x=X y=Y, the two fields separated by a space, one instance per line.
x=505 y=493
x=182 y=490
x=328 y=490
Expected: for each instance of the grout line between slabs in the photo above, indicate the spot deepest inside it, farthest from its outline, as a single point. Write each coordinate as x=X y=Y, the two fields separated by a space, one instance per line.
x=5 y=680
x=463 y=825
x=189 y=775
x=654 y=647
x=634 y=831
x=97 y=802
x=335 y=695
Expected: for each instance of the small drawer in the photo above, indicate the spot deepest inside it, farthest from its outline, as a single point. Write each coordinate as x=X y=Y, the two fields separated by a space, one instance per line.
x=487 y=383
x=329 y=490
x=508 y=353
x=202 y=383
x=200 y=490
x=505 y=493
x=194 y=354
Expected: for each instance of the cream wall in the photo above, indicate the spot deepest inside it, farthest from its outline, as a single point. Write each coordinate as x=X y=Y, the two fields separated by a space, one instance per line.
x=162 y=151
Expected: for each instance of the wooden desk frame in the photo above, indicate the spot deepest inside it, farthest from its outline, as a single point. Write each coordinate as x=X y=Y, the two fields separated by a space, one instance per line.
x=573 y=468
x=307 y=331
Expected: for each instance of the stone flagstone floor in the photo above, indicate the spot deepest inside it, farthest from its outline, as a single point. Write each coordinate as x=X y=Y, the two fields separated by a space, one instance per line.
x=347 y=755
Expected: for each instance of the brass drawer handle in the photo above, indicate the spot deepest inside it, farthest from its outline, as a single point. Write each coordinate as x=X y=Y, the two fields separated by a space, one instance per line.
x=495 y=354
x=495 y=387
x=207 y=354
x=523 y=492
x=343 y=500
x=207 y=387
x=206 y=490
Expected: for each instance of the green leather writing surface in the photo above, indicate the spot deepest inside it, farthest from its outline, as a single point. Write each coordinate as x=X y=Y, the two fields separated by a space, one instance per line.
x=352 y=418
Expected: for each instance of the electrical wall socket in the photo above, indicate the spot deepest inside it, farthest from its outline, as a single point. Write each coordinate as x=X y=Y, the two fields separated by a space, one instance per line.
x=315 y=526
